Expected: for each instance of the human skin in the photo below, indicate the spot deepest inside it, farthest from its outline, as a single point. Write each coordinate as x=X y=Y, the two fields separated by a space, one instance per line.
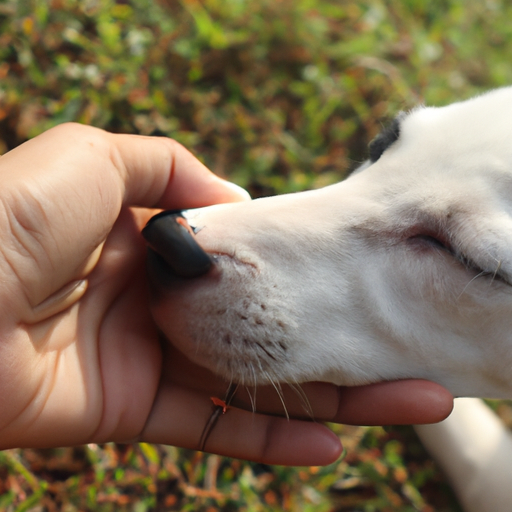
x=81 y=360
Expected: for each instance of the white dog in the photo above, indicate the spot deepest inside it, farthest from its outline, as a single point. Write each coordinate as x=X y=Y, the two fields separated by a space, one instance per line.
x=403 y=270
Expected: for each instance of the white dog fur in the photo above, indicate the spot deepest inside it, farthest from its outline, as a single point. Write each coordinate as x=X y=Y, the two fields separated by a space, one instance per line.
x=403 y=270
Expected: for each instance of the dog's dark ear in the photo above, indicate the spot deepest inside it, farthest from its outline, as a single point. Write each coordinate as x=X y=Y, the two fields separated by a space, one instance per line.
x=385 y=139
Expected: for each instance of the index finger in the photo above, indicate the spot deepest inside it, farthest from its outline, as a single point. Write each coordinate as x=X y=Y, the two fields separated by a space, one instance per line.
x=405 y=402
x=179 y=416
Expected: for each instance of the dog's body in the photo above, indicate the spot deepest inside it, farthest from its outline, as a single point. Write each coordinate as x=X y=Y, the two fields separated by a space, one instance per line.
x=403 y=270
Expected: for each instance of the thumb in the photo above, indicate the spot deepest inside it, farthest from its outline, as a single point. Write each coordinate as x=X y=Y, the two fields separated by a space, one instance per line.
x=160 y=172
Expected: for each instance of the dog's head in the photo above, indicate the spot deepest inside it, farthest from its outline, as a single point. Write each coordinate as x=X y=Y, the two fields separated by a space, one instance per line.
x=402 y=270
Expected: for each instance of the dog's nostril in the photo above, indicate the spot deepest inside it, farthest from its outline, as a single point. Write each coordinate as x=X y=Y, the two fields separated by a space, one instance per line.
x=169 y=235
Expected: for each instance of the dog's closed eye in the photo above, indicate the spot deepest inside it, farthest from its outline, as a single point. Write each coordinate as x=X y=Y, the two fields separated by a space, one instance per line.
x=426 y=241
x=430 y=241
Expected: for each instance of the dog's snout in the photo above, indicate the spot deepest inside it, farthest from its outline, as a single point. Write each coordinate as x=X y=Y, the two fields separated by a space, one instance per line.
x=170 y=236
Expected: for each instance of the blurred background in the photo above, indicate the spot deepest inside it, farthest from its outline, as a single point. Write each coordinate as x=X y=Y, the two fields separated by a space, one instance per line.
x=278 y=96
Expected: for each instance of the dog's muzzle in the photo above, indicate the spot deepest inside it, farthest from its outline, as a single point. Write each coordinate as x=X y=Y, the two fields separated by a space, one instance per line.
x=169 y=235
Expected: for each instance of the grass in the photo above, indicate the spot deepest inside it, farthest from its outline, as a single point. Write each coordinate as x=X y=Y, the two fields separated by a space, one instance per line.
x=382 y=471
x=279 y=96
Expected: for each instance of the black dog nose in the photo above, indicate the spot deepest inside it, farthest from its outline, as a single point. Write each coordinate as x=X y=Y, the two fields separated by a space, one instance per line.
x=169 y=235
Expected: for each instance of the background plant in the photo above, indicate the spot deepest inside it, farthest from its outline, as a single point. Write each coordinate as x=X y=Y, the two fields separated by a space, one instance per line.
x=279 y=96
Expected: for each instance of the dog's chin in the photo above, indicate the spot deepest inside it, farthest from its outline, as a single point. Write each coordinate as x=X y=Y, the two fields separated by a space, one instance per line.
x=227 y=320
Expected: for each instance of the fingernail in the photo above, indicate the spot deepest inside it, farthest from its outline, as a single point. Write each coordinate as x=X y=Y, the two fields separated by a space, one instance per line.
x=244 y=195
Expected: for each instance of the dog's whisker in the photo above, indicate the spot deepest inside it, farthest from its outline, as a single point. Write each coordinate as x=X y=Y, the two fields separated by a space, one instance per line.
x=480 y=274
x=496 y=271
x=251 y=398
x=304 y=400
x=279 y=392
x=260 y=366
x=255 y=384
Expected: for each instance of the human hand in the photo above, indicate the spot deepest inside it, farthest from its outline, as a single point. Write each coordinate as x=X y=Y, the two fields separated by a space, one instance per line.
x=272 y=439
x=80 y=357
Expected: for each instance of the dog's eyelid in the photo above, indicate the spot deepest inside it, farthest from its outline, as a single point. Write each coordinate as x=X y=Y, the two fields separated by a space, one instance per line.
x=433 y=231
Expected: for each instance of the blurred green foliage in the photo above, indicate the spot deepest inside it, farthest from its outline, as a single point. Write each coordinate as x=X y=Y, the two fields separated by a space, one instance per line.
x=277 y=95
